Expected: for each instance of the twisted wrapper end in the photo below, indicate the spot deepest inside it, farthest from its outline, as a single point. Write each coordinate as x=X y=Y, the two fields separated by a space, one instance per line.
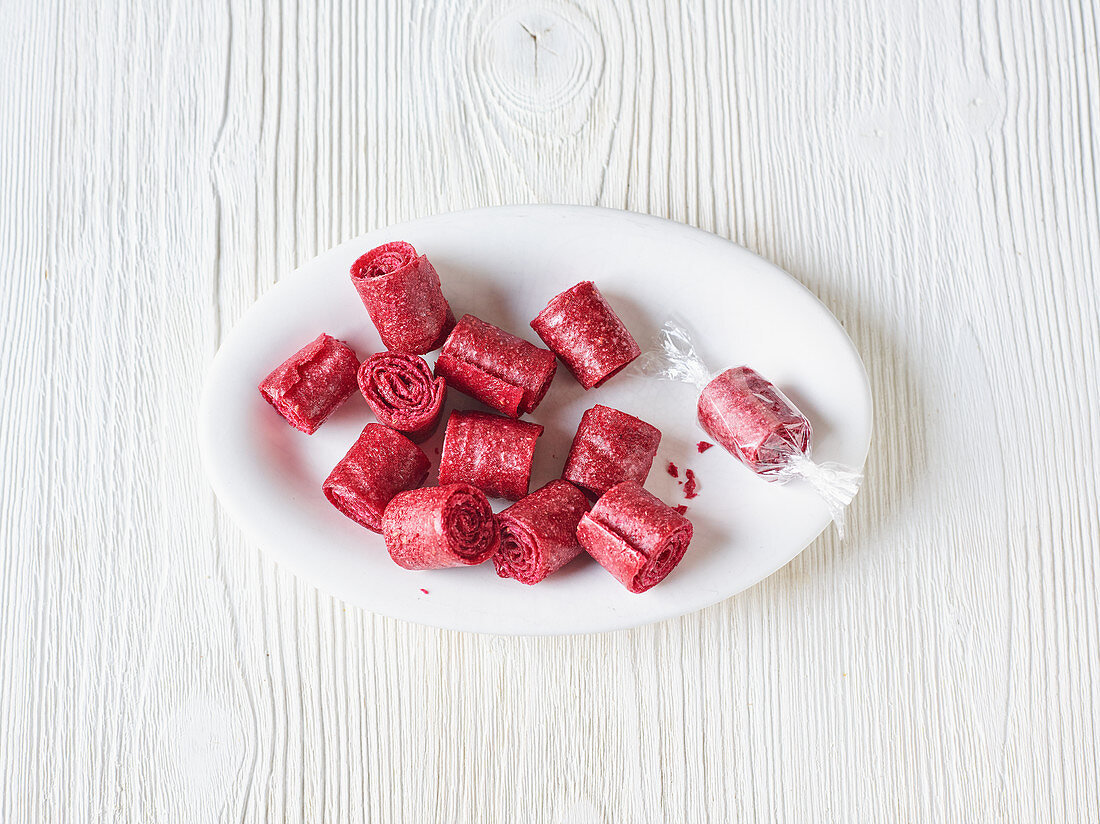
x=836 y=483
x=674 y=357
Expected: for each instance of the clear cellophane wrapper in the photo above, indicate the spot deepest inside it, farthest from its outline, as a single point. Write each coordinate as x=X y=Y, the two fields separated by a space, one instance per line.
x=751 y=419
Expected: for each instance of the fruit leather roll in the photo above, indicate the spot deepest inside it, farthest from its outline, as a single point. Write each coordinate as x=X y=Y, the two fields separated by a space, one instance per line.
x=635 y=536
x=440 y=526
x=490 y=452
x=583 y=330
x=610 y=447
x=502 y=371
x=309 y=385
x=538 y=534
x=752 y=420
x=379 y=464
x=403 y=297
x=403 y=392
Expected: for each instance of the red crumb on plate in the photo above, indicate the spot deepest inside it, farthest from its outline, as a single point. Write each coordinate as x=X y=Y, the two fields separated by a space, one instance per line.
x=672 y=470
x=691 y=487
x=426 y=591
x=682 y=509
x=703 y=446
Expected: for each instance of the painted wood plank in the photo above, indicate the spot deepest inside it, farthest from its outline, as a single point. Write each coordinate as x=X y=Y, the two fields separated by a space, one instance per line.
x=929 y=171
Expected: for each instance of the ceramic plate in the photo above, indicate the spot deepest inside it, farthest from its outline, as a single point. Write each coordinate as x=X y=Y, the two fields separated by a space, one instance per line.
x=503 y=265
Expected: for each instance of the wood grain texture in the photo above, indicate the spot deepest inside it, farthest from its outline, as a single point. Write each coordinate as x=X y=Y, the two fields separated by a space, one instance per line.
x=928 y=169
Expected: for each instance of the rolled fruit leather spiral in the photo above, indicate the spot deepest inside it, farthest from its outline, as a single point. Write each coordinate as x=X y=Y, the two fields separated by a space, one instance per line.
x=581 y=328
x=403 y=393
x=538 y=534
x=502 y=371
x=440 y=526
x=402 y=294
x=312 y=383
x=610 y=447
x=635 y=536
x=491 y=452
x=381 y=463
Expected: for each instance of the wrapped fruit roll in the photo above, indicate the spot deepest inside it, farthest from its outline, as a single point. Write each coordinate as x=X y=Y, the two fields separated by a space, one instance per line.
x=379 y=464
x=403 y=393
x=583 y=330
x=490 y=452
x=755 y=421
x=440 y=526
x=502 y=371
x=309 y=385
x=538 y=534
x=752 y=420
x=403 y=297
x=610 y=447
x=635 y=536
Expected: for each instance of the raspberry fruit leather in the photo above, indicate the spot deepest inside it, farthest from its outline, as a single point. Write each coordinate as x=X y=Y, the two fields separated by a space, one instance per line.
x=635 y=536
x=402 y=294
x=610 y=447
x=538 y=534
x=381 y=463
x=402 y=392
x=755 y=421
x=583 y=330
x=752 y=420
x=497 y=368
x=440 y=526
x=312 y=383
x=490 y=452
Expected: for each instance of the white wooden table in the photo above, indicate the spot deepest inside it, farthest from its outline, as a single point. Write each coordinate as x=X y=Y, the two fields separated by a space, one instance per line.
x=929 y=169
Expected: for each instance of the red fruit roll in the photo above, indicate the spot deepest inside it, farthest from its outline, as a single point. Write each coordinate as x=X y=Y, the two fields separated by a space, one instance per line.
x=403 y=393
x=402 y=294
x=490 y=452
x=440 y=526
x=538 y=534
x=610 y=447
x=502 y=371
x=583 y=330
x=379 y=464
x=309 y=385
x=752 y=420
x=635 y=536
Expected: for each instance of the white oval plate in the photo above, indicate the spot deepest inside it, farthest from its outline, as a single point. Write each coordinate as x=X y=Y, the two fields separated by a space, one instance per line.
x=503 y=265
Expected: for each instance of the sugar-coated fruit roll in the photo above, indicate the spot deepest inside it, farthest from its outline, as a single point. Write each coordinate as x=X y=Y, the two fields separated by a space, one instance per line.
x=502 y=371
x=752 y=420
x=309 y=385
x=440 y=526
x=381 y=463
x=403 y=296
x=490 y=452
x=583 y=330
x=610 y=447
x=403 y=393
x=538 y=534
x=635 y=536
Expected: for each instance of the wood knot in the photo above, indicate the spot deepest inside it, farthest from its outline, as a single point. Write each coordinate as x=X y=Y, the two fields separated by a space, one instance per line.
x=540 y=62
